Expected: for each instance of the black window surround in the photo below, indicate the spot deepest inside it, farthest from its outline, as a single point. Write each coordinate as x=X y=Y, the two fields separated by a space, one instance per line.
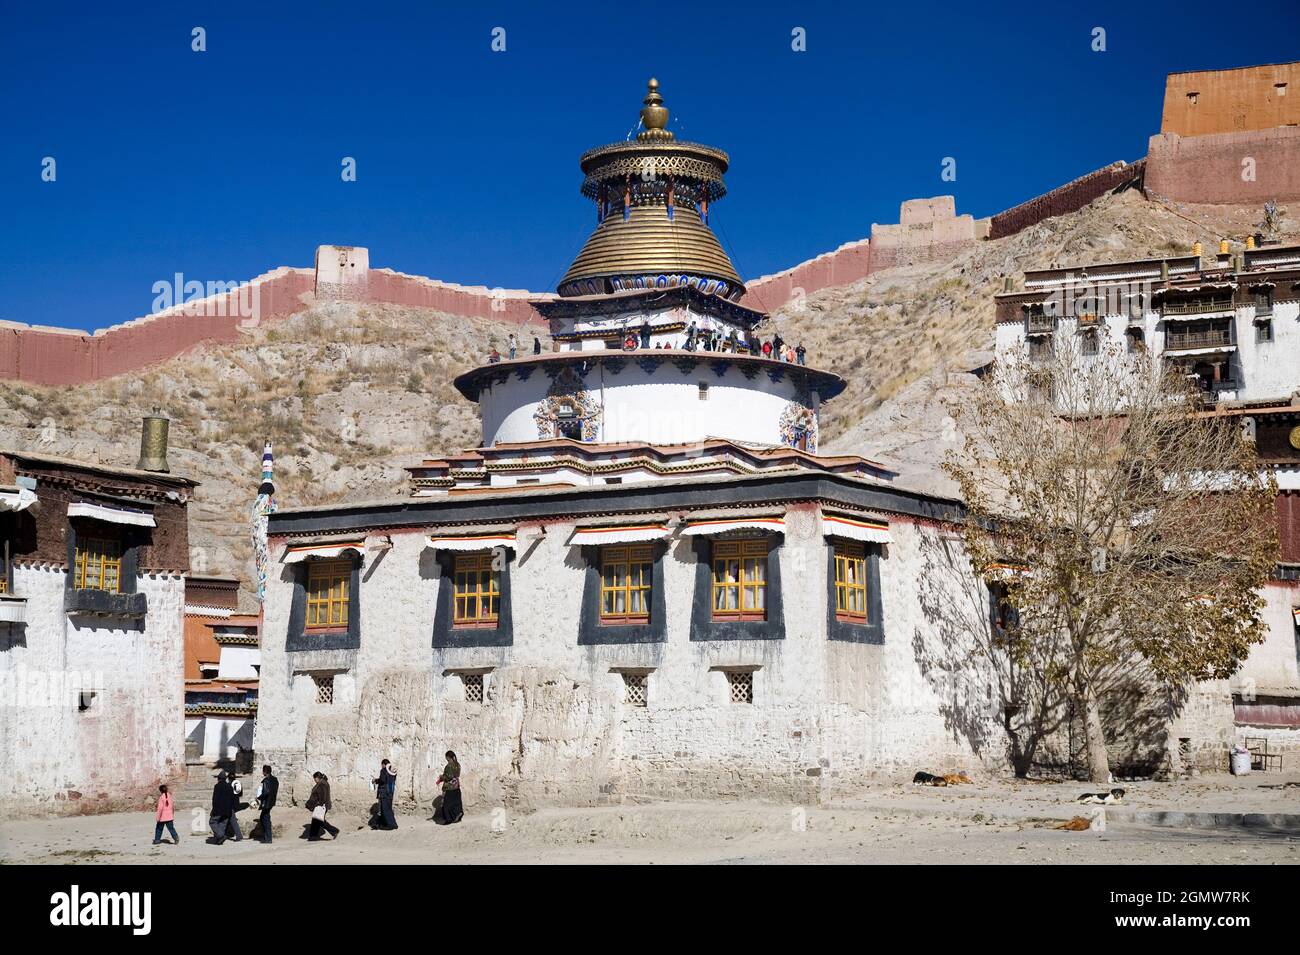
x=300 y=637
x=705 y=628
x=126 y=602
x=872 y=630
x=445 y=633
x=592 y=632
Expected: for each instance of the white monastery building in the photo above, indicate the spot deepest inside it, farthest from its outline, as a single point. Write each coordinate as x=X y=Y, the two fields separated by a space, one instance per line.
x=646 y=580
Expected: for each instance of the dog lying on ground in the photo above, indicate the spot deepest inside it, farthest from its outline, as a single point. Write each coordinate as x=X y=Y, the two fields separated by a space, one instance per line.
x=1077 y=824
x=947 y=779
x=1101 y=799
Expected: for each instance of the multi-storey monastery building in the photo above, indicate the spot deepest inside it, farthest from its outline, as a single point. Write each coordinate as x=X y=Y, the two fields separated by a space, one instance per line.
x=92 y=592
x=1231 y=323
x=646 y=580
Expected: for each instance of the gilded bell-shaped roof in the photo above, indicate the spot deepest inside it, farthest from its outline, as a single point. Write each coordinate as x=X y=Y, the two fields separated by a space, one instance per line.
x=652 y=196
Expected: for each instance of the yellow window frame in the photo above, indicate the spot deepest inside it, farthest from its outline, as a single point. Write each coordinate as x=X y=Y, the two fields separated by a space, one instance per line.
x=625 y=583
x=476 y=590
x=328 y=597
x=851 y=582
x=740 y=579
x=98 y=564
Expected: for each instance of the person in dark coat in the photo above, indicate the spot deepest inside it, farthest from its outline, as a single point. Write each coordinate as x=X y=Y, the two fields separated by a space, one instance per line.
x=452 y=809
x=645 y=334
x=537 y=345
x=267 y=790
x=223 y=807
x=320 y=799
x=385 y=789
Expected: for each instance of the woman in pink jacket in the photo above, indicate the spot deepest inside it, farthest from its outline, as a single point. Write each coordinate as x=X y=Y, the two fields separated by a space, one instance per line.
x=166 y=815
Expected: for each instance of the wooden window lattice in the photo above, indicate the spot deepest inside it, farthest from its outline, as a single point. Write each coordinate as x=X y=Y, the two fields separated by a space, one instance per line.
x=635 y=686
x=477 y=598
x=851 y=581
x=742 y=686
x=327 y=592
x=625 y=577
x=324 y=689
x=473 y=687
x=740 y=579
x=98 y=565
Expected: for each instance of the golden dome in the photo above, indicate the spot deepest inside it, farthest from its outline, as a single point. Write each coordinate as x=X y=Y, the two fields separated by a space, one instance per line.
x=652 y=196
x=648 y=244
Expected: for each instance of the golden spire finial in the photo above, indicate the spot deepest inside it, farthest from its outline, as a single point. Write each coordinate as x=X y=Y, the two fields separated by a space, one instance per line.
x=654 y=115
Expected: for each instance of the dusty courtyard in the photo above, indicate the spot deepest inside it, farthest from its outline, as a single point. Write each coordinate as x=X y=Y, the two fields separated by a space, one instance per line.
x=984 y=823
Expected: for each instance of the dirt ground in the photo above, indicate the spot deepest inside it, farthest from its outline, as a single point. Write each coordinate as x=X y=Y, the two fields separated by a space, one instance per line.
x=984 y=823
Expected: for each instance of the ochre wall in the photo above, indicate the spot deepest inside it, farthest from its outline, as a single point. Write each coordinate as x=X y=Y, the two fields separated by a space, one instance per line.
x=1231 y=101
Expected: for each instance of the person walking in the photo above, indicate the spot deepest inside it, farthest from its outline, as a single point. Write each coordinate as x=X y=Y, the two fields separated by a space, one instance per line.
x=237 y=790
x=319 y=804
x=777 y=342
x=452 y=809
x=223 y=807
x=767 y=349
x=267 y=790
x=800 y=353
x=537 y=345
x=385 y=789
x=512 y=343
x=645 y=334
x=165 y=816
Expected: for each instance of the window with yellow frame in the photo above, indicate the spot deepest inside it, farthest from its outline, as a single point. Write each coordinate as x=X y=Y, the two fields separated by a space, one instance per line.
x=328 y=583
x=625 y=583
x=98 y=565
x=740 y=579
x=476 y=595
x=851 y=581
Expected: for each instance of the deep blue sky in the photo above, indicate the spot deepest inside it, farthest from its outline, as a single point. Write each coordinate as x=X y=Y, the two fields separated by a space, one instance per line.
x=224 y=164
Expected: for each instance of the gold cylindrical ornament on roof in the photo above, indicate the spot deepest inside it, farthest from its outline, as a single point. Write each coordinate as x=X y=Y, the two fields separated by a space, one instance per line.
x=153 y=444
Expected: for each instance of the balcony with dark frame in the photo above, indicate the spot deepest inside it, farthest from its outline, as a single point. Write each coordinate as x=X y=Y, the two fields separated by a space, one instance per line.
x=1197 y=306
x=1039 y=323
x=1186 y=340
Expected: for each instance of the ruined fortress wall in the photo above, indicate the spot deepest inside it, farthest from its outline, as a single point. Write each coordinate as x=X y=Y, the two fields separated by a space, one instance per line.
x=844 y=266
x=1071 y=197
x=1246 y=168
x=53 y=356
x=928 y=230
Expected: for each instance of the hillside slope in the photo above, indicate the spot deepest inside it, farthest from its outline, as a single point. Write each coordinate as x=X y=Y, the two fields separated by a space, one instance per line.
x=350 y=393
x=346 y=393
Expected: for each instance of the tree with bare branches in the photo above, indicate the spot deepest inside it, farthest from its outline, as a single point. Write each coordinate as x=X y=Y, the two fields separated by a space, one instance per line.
x=1130 y=525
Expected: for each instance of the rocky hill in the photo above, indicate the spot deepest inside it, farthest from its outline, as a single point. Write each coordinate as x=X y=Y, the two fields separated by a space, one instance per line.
x=350 y=393
x=346 y=393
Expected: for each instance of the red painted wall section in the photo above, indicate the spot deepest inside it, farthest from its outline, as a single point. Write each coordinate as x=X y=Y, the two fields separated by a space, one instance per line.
x=1214 y=168
x=1071 y=197
x=1288 y=525
x=55 y=357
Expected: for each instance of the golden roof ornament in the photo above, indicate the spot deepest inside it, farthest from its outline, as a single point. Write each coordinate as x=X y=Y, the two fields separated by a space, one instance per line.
x=653 y=195
x=654 y=116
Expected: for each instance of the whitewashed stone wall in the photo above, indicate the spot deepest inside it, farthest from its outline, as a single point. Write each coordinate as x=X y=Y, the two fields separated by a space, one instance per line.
x=112 y=756
x=554 y=725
